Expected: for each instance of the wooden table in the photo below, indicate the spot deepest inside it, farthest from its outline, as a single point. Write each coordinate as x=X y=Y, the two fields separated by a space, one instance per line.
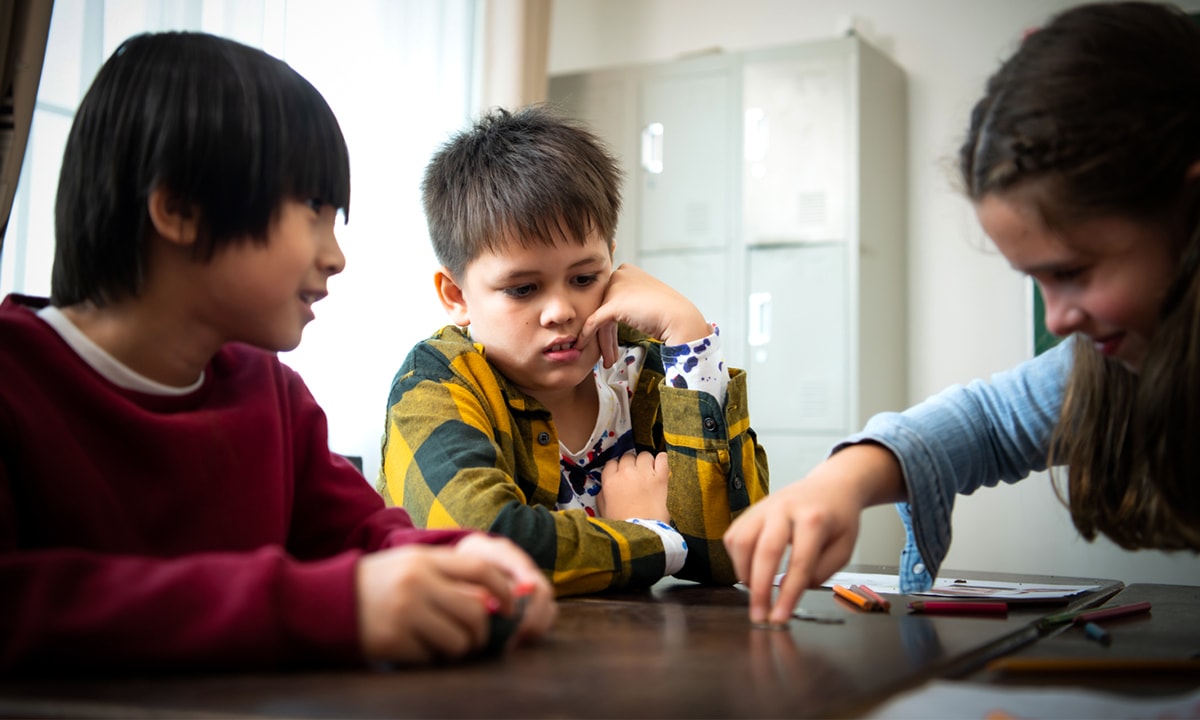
x=676 y=651
x=1170 y=631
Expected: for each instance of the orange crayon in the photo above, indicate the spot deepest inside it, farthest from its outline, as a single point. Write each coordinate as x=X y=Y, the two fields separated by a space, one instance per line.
x=863 y=603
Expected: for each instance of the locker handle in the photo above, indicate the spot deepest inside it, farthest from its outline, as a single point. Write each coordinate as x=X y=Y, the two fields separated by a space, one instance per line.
x=760 y=319
x=757 y=135
x=652 y=148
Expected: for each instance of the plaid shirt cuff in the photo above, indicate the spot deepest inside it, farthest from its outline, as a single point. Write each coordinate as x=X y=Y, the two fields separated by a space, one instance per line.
x=674 y=545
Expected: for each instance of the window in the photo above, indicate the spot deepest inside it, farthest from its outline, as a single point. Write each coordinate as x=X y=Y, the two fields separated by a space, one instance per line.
x=398 y=75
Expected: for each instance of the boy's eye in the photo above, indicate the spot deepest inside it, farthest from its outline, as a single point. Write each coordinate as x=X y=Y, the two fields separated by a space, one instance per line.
x=520 y=291
x=585 y=280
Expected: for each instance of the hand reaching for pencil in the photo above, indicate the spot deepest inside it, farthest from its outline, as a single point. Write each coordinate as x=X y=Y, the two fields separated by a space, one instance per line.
x=818 y=517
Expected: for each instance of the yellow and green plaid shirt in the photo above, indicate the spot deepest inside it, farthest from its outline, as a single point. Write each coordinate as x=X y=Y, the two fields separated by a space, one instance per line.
x=463 y=447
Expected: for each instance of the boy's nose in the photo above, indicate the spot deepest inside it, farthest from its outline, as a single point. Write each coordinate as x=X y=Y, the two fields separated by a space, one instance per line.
x=557 y=310
x=331 y=259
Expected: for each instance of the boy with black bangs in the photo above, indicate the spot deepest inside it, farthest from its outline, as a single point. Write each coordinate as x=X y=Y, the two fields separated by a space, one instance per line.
x=168 y=499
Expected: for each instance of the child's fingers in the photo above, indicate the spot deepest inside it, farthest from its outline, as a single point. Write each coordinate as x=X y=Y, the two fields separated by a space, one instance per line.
x=808 y=542
x=455 y=621
x=601 y=327
x=764 y=557
x=483 y=569
x=662 y=465
x=793 y=584
x=607 y=337
x=519 y=574
x=413 y=607
x=527 y=583
x=541 y=611
x=595 y=324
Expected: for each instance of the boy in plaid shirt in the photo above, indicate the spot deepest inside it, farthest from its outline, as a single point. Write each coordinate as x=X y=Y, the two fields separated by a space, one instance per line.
x=584 y=412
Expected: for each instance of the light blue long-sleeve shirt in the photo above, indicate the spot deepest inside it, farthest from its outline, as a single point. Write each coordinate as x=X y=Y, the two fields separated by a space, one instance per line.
x=962 y=438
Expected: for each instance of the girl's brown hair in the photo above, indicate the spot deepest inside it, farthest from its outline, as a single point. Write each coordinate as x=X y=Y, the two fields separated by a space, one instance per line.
x=1098 y=112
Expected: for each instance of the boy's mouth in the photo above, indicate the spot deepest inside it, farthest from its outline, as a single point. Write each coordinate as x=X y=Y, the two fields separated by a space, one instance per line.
x=560 y=346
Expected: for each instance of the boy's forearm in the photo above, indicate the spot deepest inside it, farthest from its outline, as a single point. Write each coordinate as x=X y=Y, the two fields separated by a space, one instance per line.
x=721 y=472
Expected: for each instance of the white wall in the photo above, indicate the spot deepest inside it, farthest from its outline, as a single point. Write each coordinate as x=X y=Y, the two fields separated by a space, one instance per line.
x=969 y=313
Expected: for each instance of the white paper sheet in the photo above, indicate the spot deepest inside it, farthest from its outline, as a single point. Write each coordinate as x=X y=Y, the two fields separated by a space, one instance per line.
x=962 y=587
x=967 y=701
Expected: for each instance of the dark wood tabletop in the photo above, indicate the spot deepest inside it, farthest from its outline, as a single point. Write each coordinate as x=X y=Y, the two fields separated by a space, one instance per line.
x=1156 y=652
x=678 y=650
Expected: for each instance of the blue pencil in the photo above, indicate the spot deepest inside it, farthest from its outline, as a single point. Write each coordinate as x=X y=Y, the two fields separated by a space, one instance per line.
x=1097 y=633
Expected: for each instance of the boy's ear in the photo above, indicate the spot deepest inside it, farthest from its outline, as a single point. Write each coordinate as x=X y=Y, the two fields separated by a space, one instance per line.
x=451 y=296
x=173 y=219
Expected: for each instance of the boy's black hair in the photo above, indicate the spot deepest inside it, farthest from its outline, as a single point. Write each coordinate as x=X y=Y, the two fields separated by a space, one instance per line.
x=228 y=130
x=531 y=174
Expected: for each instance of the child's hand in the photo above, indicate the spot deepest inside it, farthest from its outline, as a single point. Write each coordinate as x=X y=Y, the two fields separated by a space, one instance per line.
x=641 y=301
x=422 y=603
x=818 y=517
x=527 y=580
x=635 y=486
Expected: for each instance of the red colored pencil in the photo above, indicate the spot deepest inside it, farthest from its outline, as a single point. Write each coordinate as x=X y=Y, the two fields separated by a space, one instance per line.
x=863 y=602
x=878 y=599
x=1112 y=612
x=955 y=607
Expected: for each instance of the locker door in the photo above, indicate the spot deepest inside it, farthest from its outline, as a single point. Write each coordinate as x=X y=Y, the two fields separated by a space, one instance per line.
x=703 y=278
x=607 y=102
x=796 y=148
x=685 y=172
x=798 y=333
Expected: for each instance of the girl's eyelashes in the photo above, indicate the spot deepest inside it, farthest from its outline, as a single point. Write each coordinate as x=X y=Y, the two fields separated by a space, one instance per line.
x=1059 y=276
x=1067 y=274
